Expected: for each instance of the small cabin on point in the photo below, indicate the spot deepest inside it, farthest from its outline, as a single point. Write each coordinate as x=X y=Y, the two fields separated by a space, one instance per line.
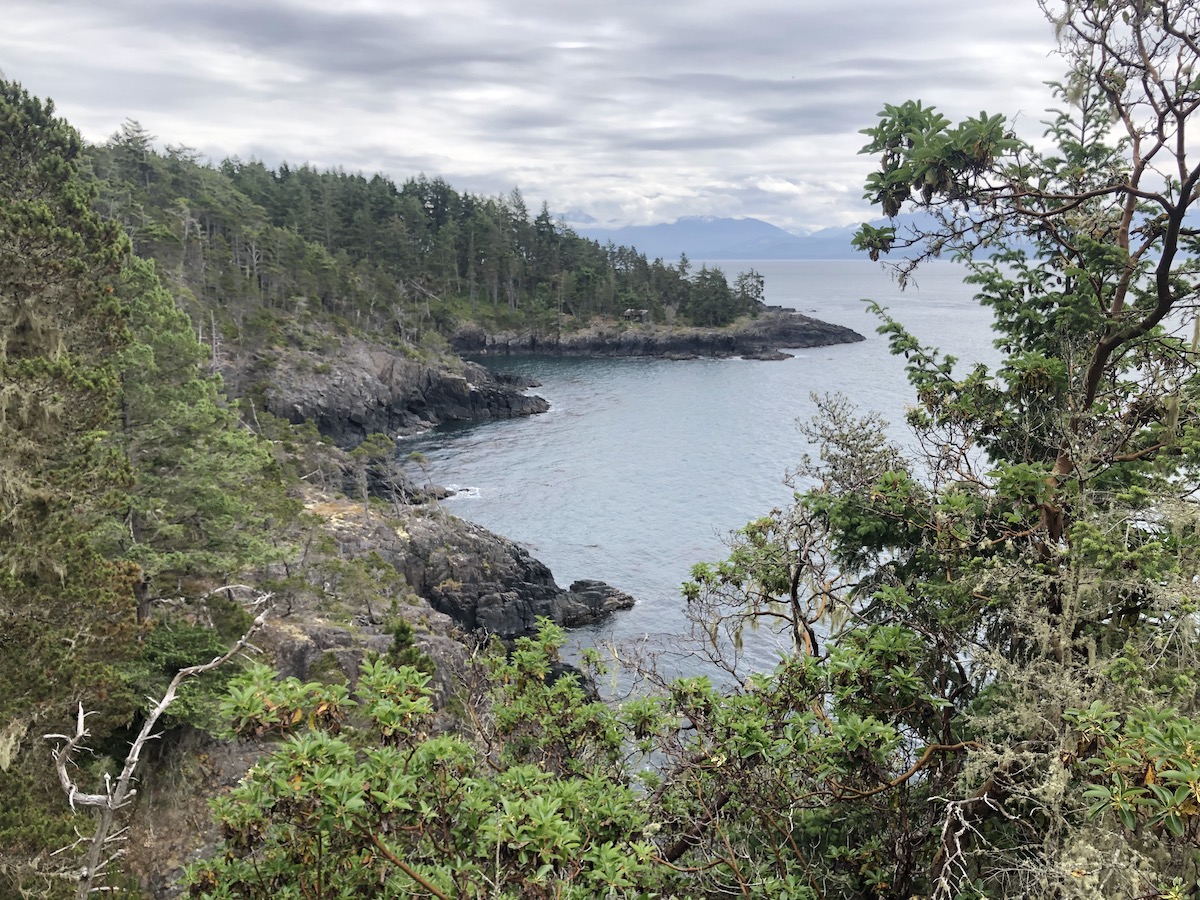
x=637 y=315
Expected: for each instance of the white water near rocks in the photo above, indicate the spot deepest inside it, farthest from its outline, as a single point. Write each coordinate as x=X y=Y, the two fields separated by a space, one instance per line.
x=643 y=466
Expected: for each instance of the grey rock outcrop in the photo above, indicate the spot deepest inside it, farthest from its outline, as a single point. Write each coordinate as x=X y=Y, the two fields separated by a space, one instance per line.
x=361 y=388
x=589 y=601
x=482 y=581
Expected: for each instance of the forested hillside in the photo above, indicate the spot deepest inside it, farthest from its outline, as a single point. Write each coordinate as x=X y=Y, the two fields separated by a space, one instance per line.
x=264 y=252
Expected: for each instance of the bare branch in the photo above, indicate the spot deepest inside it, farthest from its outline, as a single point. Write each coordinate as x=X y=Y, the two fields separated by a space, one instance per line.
x=119 y=793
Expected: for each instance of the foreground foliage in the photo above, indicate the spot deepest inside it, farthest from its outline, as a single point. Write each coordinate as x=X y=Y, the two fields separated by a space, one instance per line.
x=126 y=479
x=992 y=688
x=361 y=797
x=1031 y=569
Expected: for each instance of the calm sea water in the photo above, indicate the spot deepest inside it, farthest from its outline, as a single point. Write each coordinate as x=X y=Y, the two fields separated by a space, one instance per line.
x=642 y=467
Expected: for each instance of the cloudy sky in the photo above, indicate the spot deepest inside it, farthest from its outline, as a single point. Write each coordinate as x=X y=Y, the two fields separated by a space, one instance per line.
x=633 y=111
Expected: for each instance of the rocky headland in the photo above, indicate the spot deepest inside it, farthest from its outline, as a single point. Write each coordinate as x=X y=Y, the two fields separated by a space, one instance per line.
x=357 y=388
x=763 y=337
x=483 y=582
x=351 y=387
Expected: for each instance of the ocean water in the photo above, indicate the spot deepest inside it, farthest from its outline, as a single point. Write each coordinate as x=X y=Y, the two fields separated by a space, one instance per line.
x=642 y=467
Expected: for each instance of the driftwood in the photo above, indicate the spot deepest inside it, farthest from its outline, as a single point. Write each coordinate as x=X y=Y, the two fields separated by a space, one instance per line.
x=104 y=843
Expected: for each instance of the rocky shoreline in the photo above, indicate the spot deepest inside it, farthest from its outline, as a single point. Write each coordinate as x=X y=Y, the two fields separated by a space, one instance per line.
x=360 y=389
x=354 y=388
x=485 y=583
x=764 y=337
x=462 y=582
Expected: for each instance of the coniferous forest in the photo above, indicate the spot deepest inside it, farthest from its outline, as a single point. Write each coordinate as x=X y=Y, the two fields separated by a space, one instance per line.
x=992 y=688
x=265 y=250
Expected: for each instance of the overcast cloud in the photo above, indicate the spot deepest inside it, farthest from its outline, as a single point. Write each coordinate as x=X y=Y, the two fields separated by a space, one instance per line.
x=633 y=111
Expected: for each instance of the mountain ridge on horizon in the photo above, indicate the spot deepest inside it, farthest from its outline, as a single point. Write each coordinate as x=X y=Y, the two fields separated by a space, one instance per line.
x=725 y=238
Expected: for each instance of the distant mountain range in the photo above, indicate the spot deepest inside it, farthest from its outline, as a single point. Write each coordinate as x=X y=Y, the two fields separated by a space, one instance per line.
x=712 y=238
x=707 y=237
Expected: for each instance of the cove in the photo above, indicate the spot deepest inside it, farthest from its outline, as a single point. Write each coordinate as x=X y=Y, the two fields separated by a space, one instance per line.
x=641 y=466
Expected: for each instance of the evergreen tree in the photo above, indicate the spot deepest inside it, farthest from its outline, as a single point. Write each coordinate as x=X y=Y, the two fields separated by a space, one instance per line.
x=65 y=611
x=204 y=488
x=710 y=301
x=122 y=469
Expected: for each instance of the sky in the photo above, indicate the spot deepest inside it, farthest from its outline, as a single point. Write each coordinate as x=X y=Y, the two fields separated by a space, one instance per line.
x=630 y=112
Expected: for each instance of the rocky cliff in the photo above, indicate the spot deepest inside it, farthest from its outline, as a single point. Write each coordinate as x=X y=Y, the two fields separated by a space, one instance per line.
x=358 y=388
x=761 y=337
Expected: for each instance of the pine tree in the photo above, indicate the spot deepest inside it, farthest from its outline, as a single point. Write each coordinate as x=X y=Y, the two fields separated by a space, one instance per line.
x=204 y=488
